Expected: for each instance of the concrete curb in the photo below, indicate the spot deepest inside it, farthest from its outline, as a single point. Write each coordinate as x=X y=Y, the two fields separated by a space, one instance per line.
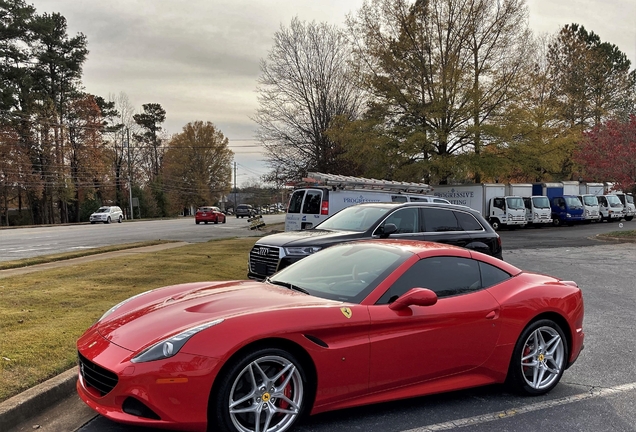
x=27 y=404
x=604 y=237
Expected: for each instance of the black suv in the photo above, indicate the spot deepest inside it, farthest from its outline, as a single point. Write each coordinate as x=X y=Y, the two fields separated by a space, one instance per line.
x=443 y=223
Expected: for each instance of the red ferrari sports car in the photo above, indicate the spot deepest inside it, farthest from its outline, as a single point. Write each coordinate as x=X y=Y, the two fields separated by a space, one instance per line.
x=354 y=324
x=209 y=214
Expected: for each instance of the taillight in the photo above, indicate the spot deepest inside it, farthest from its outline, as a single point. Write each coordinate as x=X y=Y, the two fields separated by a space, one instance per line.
x=324 y=209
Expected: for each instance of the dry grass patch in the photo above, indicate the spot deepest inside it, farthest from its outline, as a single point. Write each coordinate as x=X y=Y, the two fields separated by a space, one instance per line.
x=42 y=314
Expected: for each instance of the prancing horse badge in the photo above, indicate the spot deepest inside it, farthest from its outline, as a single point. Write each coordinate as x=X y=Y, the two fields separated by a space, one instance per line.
x=346 y=312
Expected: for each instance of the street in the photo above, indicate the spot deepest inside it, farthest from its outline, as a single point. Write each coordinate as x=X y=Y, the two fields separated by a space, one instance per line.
x=34 y=241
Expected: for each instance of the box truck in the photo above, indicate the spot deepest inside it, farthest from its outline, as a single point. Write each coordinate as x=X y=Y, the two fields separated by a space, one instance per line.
x=490 y=199
x=538 y=211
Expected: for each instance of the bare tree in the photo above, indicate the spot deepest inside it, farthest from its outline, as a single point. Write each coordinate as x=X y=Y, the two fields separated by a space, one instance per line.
x=305 y=84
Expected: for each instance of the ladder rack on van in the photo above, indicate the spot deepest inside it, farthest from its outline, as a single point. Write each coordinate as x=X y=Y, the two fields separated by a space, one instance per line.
x=342 y=182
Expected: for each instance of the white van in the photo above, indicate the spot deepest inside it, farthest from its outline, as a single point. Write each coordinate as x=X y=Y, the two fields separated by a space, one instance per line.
x=310 y=205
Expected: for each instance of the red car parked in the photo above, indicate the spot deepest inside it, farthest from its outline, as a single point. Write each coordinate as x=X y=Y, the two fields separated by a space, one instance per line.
x=209 y=214
x=354 y=324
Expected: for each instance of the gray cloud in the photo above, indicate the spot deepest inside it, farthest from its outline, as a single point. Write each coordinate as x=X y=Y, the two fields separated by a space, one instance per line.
x=200 y=58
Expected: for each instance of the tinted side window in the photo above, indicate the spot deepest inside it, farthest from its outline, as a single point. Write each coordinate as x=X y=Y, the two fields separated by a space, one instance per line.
x=447 y=276
x=440 y=220
x=418 y=199
x=312 y=202
x=406 y=220
x=499 y=203
x=296 y=201
x=468 y=222
x=398 y=198
x=491 y=275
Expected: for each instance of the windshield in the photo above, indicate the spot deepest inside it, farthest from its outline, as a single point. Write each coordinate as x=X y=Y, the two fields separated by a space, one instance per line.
x=354 y=218
x=614 y=201
x=573 y=202
x=346 y=272
x=103 y=210
x=515 y=203
x=630 y=199
x=541 y=202
x=590 y=200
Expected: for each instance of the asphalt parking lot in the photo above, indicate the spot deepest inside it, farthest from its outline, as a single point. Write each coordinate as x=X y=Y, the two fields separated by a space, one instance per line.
x=596 y=394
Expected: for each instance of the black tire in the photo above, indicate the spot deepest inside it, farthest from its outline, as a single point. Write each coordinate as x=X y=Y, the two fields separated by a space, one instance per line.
x=495 y=224
x=556 y=221
x=237 y=216
x=92 y=223
x=197 y=222
x=205 y=222
x=236 y=381
x=107 y=220
x=224 y=219
x=629 y=218
x=551 y=356
x=120 y=219
x=216 y=221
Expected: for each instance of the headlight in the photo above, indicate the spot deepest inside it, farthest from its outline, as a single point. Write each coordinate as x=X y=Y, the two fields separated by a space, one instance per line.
x=568 y=215
x=118 y=305
x=171 y=346
x=301 y=250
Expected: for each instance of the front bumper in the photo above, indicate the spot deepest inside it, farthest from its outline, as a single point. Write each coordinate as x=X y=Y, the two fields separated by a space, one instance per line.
x=176 y=390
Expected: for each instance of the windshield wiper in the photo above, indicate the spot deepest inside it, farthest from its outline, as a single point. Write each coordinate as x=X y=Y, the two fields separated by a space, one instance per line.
x=287 y=285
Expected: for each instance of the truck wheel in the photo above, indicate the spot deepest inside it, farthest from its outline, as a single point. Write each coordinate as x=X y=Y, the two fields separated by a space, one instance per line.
x=494 y=223
x=628 y=218
x=556 y=221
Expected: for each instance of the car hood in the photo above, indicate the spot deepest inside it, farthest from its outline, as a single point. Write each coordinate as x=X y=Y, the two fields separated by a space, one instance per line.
x=309 y=237
x=151 y=321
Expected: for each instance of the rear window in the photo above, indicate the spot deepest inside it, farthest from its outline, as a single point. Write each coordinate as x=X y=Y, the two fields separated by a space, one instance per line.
x=296 y=201
x=312 y=202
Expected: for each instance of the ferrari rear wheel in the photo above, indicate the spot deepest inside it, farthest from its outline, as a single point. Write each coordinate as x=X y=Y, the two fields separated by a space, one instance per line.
x=264 y=391
x=539 y=358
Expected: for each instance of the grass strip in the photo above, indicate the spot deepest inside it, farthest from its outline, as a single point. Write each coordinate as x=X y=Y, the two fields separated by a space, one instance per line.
x=43 y=313
x=69 y=255
x=622 y=234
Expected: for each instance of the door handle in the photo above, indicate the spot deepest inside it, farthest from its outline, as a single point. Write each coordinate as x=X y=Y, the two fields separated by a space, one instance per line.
x=493 y=314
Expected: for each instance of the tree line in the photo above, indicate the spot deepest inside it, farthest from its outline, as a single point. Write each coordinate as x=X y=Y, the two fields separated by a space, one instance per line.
x=445 y=91
x=64 y=152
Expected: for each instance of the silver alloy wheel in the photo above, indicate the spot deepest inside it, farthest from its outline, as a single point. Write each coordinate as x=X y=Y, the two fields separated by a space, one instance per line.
x=542 y=358
x=266 y=395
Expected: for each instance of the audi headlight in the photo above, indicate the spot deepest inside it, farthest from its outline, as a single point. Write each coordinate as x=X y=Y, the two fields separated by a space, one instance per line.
x=168 y=347
x=118 y=305
x=301 y=250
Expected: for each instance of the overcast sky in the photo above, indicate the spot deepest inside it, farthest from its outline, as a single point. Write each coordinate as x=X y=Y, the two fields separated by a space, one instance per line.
x=199 y=59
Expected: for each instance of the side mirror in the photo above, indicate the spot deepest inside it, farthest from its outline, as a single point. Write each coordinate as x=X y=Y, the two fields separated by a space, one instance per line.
x=387 y=230
x=415 y=297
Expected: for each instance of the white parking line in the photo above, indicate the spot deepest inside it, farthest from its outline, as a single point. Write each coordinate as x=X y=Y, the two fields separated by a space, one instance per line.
x=485 y=418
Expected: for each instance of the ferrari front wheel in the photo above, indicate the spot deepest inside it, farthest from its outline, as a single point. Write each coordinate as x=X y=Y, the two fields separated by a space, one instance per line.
x=539 y=358
x=264 y=391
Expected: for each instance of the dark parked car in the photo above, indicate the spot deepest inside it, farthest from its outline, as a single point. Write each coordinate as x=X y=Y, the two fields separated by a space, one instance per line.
x=243 y=210
x=443 y=223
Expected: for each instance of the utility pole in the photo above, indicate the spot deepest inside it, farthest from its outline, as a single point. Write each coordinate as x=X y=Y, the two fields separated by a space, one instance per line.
x=129 y=175
x=235 y=203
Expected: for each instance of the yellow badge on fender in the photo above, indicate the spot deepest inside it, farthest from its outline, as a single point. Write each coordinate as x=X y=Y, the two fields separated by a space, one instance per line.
x=346 y=312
